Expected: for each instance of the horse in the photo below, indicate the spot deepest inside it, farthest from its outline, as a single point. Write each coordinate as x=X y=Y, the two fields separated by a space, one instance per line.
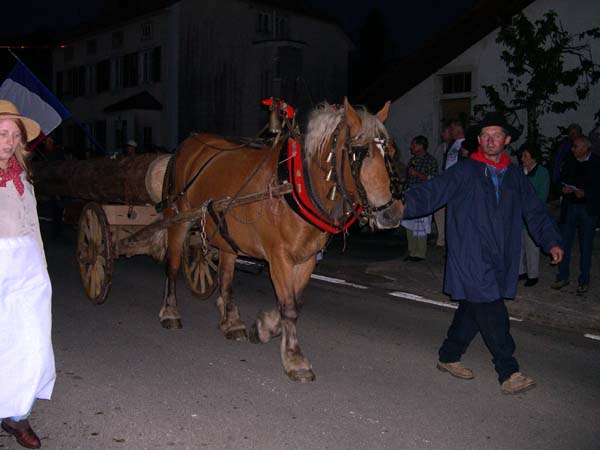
x=344 y=171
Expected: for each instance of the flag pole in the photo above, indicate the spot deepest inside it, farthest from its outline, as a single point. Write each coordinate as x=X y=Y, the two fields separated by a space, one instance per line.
x=13 y=53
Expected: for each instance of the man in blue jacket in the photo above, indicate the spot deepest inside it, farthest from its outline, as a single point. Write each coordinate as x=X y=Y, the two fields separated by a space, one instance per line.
x=486 y=198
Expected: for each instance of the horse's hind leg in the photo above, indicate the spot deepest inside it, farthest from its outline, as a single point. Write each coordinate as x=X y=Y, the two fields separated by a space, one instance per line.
x=230 y=323
x=169 y=313
x=289 y=282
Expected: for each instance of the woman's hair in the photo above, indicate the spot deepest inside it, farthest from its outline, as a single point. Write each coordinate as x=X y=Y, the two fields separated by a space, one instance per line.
x=20 y=152
x=532 y=149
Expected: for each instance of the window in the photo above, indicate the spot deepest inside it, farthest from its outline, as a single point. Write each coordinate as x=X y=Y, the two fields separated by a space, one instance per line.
x=150 y=62
x=272 y=24
x=91 y=47
x=69 y=53
x=59 y=85
x=147 y=138
x=130 y=70
x=288 y=65
x=456 y=83
x=75 y=81
x=120 y=133
x=266 y=88
x=281 y=26
x=117 y=39
x=263 y=25
x=90 y=79
x=116 y=77
x=147 y=31
x=103 y=76
x=100 y=132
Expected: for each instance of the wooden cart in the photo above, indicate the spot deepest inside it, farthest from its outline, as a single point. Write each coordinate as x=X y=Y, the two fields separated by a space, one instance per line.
x=119 y=219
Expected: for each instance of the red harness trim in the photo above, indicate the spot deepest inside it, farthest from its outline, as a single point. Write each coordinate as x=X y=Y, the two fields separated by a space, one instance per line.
x=300 y=194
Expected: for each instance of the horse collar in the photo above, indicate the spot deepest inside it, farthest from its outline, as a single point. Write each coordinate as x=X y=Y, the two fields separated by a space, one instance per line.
x=301 y=199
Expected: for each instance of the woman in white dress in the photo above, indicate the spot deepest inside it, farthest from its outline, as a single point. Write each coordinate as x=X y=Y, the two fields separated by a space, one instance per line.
x=26 y=358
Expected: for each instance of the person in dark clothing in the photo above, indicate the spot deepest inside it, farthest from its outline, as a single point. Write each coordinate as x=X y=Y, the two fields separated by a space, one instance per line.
x=580 y=207
x=486 y=199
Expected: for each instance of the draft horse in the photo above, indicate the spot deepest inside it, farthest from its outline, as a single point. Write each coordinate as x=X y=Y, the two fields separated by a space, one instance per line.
x=341 y=173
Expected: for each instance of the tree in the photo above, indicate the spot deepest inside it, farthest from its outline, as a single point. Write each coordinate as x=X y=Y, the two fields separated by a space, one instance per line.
x=541 y=58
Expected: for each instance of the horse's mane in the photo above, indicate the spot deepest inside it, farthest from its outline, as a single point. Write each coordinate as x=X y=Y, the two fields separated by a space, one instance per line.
x=324 y=119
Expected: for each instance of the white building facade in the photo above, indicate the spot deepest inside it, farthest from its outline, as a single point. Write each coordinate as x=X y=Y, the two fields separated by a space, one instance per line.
x=196 y=66
x=453 y=90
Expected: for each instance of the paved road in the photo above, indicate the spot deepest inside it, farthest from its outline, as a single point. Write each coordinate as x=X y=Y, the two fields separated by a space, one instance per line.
x=125 y=383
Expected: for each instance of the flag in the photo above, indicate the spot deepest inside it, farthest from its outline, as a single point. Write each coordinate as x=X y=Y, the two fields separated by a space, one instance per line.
x=33 y=99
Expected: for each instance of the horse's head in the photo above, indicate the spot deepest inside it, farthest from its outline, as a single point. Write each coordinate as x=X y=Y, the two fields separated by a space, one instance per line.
x=370 y=153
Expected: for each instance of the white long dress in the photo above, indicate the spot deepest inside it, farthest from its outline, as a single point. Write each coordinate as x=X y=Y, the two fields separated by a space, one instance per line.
x=26 y=357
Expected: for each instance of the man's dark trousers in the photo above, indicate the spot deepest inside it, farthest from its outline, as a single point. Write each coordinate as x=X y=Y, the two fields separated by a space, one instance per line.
x=578 y=216
x=491 y=320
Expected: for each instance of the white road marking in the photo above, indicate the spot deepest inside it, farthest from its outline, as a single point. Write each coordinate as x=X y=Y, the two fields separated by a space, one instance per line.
x=337 y=281
x=418 y=298
x=592 y=336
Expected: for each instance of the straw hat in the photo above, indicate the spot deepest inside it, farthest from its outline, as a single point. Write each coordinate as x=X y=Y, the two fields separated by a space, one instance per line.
x=9 y=111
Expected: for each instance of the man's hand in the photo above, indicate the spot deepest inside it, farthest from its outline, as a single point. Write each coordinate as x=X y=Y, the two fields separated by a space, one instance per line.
x=557 y=255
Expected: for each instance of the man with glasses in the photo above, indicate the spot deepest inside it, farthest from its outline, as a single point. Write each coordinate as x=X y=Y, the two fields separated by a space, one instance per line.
x=486 y=197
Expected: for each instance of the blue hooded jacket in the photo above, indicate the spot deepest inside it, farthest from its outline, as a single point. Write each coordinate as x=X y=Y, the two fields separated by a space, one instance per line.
x=483 y=232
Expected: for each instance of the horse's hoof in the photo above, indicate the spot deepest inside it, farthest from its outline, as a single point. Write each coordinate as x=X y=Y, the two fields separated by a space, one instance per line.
x=253 y=335
x=171 y=324
x=301 y=375
x=237 y=335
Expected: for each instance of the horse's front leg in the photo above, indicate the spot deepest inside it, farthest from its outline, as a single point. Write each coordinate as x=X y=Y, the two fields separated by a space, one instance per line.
x=289 y=281
x=169 y=313
x=230 y=323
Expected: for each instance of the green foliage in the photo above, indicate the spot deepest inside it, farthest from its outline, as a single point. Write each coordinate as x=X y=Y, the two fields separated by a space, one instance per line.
x=541 y=58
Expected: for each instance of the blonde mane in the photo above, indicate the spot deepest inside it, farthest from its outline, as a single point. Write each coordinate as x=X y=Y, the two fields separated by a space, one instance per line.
x=324 y=120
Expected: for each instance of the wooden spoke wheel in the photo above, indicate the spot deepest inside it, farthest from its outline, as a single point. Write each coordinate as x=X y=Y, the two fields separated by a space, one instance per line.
x=94 y=253
x=200 y=272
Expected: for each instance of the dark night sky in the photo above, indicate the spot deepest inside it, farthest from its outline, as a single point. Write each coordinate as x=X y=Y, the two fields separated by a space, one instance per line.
x=407 y=23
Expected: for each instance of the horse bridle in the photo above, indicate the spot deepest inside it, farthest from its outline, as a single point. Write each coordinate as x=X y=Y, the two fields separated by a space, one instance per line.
x=356 y=154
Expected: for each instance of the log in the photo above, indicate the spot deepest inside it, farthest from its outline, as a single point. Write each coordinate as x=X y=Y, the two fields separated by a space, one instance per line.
x=134 y=180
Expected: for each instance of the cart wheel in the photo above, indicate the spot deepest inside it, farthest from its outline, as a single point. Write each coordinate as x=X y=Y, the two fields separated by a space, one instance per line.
x=94 y=252
x=200 y=273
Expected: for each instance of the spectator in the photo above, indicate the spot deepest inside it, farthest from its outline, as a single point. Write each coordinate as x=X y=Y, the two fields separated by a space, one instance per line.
x=595 y=137
x=131 y=148
x=529 y=266
x=440 y=156
x=26 y=357
x=564 y=150
x=580 y=207
x=454 y=153
x=486 y=197
x=421 y=167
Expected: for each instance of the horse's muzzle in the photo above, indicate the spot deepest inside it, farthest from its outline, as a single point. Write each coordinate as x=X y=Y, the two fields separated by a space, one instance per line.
x=389 y=217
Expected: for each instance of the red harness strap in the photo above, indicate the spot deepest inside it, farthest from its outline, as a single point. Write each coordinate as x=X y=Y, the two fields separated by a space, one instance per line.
x=304 y=203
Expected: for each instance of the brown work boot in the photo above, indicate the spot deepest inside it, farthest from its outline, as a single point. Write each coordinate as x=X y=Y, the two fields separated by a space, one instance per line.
x=517 y=383
x=456 y=369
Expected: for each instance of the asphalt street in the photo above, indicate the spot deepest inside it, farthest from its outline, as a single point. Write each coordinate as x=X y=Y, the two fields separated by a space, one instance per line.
x=125 y=383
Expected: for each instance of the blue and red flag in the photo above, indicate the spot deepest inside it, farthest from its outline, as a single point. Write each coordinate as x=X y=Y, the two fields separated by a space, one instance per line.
x=33 y=99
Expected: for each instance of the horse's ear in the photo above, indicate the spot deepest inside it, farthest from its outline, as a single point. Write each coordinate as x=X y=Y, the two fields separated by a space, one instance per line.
x=352 y=117
x=383 y=112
